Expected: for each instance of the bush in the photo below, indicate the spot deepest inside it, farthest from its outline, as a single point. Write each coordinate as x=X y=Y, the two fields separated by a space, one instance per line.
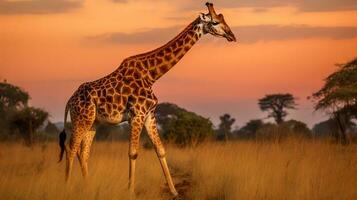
x=277 y=133
x=182 y=127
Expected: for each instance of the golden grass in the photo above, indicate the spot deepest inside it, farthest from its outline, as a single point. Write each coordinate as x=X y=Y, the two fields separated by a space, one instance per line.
x=236 y=170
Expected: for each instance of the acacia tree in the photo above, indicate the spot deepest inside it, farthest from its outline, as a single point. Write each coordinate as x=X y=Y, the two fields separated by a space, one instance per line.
x=338 y=97
x=15 y=114
x=12 y=99
x=276 y=105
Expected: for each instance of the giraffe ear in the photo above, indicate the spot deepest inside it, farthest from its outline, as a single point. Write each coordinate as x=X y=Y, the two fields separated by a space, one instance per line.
x=204 y=17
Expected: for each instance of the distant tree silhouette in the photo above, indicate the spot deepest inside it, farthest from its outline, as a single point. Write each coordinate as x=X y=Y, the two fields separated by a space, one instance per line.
x=325 y=128
x=250 y=128
x=298 y=127
x=338 y=97
x=259 y=130
x=111 y=132
x=276 y=105
x=51 y=128
x=330 y=127
x=225 y=127
x=279 y=132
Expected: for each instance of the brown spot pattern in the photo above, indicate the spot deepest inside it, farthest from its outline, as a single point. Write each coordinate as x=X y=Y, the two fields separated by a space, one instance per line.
x=127 y=88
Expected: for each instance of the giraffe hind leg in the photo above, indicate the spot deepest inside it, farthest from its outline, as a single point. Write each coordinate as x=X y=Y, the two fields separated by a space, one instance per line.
x=74 y=145
x=79 y=131
x=84 y=152
x=136 y=127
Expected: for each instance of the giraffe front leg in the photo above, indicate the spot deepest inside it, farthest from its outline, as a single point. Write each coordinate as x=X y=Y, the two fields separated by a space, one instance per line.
x=150 y=125
x=136 y=127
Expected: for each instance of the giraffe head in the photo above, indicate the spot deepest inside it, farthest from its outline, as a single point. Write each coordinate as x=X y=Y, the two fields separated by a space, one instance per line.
x=215 y=24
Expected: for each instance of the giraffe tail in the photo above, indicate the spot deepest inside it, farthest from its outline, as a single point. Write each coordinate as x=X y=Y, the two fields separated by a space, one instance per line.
x=62 y=136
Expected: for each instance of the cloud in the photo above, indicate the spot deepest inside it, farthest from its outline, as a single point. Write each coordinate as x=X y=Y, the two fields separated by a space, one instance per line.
x=305 y=6
x=251 y=34
x=323 y=5
x=245 y=34
x=120 y=1
x=37 y=6
x=151 y=36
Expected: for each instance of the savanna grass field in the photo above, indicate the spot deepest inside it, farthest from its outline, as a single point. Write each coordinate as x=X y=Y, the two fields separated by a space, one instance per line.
x=292 y=169
x=178 y=100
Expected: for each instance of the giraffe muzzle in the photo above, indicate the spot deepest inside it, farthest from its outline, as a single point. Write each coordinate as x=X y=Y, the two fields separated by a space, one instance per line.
x=230 y=37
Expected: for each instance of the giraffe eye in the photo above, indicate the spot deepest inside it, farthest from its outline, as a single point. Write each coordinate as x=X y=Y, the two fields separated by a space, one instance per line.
x=215 y=23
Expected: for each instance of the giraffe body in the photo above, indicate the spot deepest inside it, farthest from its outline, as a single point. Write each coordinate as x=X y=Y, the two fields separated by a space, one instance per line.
x=126 y=95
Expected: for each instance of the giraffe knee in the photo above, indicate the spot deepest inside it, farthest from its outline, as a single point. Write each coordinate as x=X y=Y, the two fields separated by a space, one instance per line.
x=133 y=156
x=160 y=152
x=133 y=153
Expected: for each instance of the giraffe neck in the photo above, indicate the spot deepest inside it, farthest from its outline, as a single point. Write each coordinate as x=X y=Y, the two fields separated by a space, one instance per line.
x=159 y=61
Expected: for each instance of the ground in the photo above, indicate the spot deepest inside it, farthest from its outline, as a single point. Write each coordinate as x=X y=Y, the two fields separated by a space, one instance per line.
x=293 y=169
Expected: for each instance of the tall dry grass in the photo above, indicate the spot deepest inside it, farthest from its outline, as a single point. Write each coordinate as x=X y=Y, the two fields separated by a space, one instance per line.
x=288 y=170
x=239 y=170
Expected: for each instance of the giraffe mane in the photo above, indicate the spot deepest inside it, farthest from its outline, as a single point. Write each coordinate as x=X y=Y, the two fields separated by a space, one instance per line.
x=168 y=43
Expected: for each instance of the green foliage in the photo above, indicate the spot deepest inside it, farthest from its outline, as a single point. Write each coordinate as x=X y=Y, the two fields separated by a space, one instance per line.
x=297 y=127
x=16 y=118
x=225 y=127
x=338 y=97
x=165 y=111
x=12 y=97
x=276 y=105
x=340 y=90
x=182 y=127
x=112 y=132
x=26 y=121
x=249 y=130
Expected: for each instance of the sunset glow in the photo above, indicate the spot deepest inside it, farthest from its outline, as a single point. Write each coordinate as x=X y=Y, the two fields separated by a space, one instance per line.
x=282 y=47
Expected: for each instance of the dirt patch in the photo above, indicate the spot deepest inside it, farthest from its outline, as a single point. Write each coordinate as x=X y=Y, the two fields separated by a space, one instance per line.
x=183 y=185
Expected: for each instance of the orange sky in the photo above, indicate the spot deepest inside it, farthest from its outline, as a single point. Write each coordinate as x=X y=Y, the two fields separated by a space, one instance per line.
x=283 y=46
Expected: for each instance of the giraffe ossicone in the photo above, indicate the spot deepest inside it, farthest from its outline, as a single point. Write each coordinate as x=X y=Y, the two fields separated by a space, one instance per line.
x=126 y=95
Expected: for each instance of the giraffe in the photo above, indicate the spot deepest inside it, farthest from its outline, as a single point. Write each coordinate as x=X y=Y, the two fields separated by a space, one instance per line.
x=126 y=95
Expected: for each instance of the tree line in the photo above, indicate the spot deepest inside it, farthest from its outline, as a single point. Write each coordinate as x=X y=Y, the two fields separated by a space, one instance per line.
x=337 y=98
